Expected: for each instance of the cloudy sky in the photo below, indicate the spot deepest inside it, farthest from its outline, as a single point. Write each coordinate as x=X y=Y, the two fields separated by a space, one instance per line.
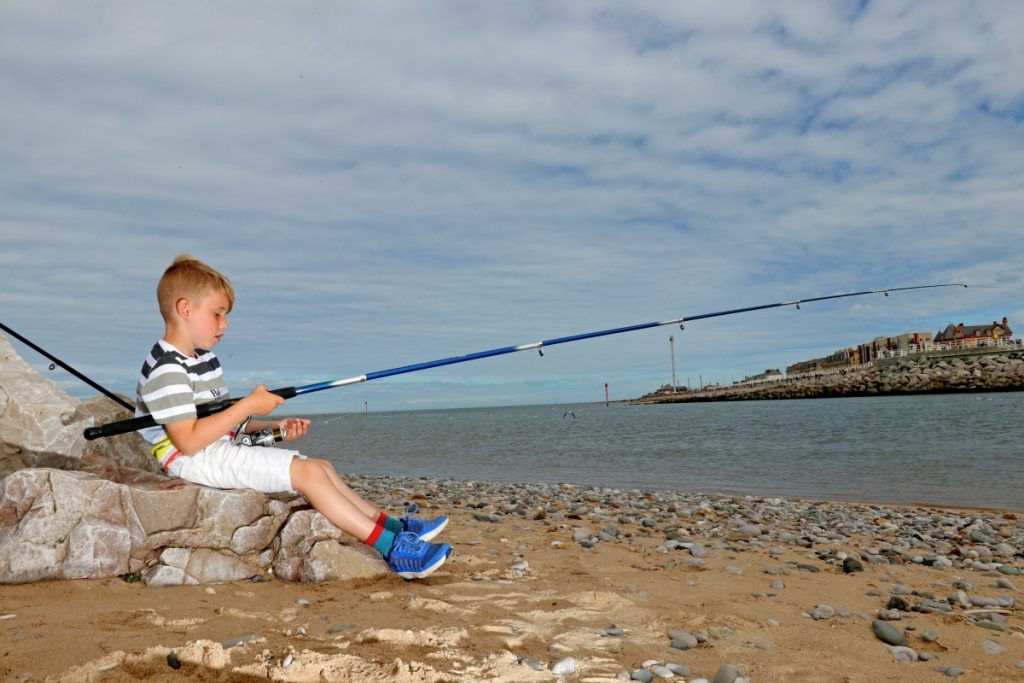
x=394 y=182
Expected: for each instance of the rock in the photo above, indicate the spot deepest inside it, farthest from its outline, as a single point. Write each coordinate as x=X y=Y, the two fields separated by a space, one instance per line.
x=898 y=602
x=951 y=670
x=311 y=549
x=727 y=673
x=888 y=633
x=682 y=640
x=822 y=612
x=642 y=675
x=43 y=426
x=56 y=524
x=992 y=647
x=564 y=667
x=851 y=565
x=903 y=654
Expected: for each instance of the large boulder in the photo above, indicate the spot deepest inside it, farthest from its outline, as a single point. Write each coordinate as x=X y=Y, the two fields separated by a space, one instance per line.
x=41 y=426
x=56 y=524
x=311 y=549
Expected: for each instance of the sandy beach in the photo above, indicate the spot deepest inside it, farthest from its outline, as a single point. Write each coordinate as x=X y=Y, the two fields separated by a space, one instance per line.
x=755 y=583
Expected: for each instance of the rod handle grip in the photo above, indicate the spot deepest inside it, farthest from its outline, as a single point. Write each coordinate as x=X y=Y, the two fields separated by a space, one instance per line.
x=137 y=423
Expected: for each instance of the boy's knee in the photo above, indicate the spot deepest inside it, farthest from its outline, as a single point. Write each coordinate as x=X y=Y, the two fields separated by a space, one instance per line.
x=305 y=470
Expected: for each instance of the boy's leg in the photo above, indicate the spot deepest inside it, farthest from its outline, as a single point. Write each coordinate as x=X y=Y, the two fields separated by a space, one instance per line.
x=364 y=506
x=425 y=529
x=311 y=479
x=407 y=555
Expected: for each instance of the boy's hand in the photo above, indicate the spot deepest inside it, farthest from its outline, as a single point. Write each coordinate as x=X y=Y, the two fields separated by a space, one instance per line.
x=294 y=427
x=263 y=402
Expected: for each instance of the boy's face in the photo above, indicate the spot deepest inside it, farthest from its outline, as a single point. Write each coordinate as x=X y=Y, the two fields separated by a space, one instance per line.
x=206 y=319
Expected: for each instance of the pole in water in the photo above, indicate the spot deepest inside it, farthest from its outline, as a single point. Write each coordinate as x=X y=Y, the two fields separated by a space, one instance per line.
x=205 y=409
x=672 y=347
x=606 y=394
x=366 y=407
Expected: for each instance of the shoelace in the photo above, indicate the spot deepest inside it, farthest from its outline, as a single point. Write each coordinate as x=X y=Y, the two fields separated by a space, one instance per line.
x=411 y=541
x=410 y=510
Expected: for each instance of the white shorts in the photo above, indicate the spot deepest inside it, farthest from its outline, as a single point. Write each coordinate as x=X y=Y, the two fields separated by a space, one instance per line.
x=225 y=465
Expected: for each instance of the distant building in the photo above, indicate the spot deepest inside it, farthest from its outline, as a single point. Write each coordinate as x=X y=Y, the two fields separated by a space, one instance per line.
x=769 y=375
x=843 y=358
x=969 y=336
x=909 y=342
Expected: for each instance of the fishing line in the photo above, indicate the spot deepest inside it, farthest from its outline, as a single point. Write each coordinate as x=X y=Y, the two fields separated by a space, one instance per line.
x=290 y=392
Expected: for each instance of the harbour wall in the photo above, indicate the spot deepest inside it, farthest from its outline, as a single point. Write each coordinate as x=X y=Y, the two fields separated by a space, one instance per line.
x=948 y=372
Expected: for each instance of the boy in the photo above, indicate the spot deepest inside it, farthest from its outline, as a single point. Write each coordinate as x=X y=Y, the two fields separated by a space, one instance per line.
x=181 y=372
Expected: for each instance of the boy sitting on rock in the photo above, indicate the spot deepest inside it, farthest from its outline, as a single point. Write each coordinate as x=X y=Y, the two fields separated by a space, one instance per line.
x=182 y=372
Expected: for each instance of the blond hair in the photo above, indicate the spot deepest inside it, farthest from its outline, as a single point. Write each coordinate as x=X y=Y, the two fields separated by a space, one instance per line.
x=189 y=278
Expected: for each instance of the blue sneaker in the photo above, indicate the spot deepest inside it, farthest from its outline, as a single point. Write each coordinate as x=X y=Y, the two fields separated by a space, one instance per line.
x=426 y=529
x=413 y=558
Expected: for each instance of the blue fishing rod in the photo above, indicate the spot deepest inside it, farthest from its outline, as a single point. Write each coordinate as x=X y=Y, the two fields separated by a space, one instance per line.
x=290 y=392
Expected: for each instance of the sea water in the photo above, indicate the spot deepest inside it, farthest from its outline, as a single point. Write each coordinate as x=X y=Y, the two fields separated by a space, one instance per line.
x=952 y=449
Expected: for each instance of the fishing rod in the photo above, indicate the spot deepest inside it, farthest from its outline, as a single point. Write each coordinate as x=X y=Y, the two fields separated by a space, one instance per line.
x=67 y=367
x=290 y=392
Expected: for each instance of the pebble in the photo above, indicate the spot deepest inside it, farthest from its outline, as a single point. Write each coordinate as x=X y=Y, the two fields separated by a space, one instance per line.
x=681 y=670
x=642 y=675
x=682 y=640
x=532 y=663
x=1006 y=584
x=887 y=633
x=564 y=667
x=992 y=647
x=903 y=654
x=240 y=639
x=172 y=660
x=951 y=670
x=484 y=517
x=302 y=602
x=663 y=672
x=727 y=673
x=851 y=565
x=822 y=612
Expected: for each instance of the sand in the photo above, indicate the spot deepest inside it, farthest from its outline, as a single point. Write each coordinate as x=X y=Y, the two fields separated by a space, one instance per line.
x=480 y=619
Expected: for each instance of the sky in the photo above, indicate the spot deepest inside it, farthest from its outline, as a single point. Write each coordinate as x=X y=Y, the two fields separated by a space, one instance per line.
x=396 y=182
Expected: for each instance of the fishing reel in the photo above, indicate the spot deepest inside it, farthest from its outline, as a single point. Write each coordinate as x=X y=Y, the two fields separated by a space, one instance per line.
x=268 y=436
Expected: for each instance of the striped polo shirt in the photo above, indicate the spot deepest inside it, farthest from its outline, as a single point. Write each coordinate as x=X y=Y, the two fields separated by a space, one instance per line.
x=172 y=384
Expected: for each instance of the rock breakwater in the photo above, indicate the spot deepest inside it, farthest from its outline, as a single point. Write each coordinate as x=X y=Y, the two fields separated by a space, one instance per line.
x=922 y=374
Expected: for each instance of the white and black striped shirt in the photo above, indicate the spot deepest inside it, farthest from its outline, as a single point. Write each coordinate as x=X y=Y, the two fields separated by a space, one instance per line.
x=172 y=384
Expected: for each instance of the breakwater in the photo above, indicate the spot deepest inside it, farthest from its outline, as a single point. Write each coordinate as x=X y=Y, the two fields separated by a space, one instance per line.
x=919 y=374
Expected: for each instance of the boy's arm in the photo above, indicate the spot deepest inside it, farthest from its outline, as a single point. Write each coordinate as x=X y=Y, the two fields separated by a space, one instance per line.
x=193 y=435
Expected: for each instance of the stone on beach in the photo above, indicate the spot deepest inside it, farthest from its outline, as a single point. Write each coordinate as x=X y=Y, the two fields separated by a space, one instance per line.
x=41 y=426
x=69 y=525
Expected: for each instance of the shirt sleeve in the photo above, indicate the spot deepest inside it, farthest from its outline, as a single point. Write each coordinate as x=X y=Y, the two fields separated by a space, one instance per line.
x=167 y=394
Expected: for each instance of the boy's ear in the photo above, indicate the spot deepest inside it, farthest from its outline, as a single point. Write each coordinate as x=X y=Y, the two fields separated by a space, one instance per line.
x=182 y=307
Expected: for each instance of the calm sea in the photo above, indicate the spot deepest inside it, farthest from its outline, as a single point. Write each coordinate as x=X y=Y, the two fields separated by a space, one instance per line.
x=956 y=450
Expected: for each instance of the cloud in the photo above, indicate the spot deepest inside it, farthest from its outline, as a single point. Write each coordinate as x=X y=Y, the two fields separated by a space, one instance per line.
x=392 y=183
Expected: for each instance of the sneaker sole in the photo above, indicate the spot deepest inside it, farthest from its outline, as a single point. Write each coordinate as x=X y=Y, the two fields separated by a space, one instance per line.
x=432 y=534
x=423 y=573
